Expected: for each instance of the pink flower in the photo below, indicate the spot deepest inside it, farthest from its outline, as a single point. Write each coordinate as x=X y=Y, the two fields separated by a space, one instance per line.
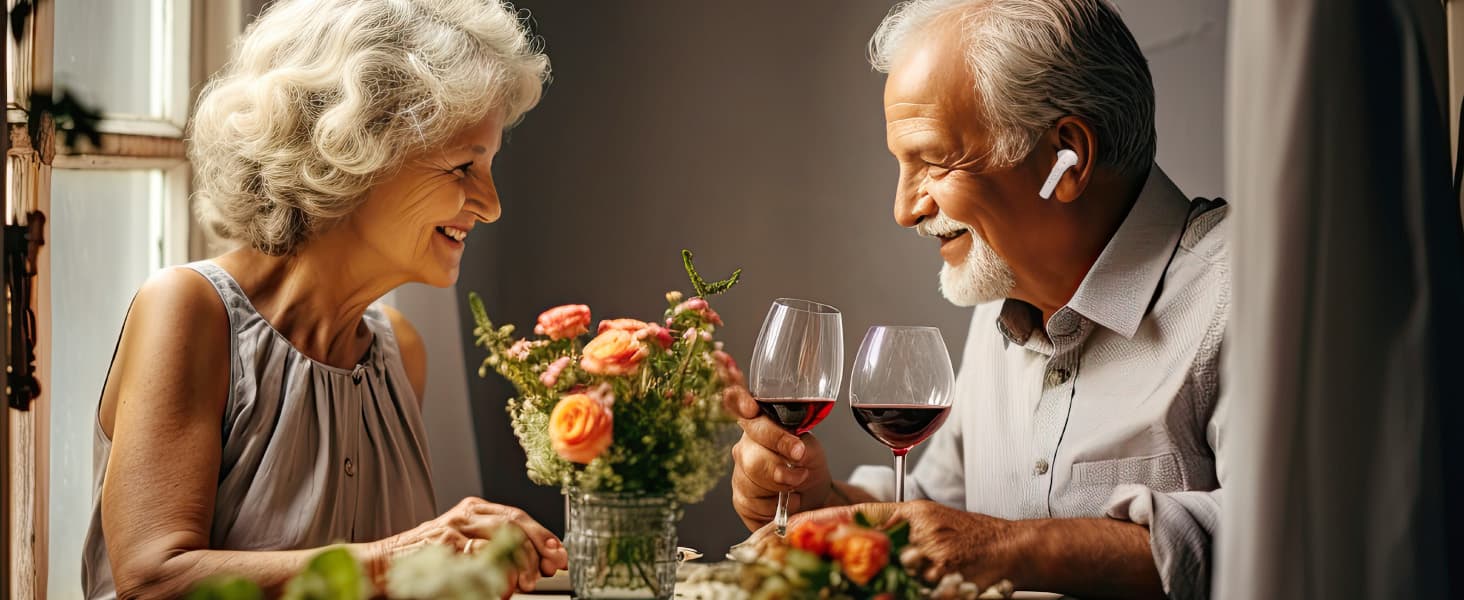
x=550 y=376
x=564 y=322
x=615 y=352
x=656 y=333
x=520 y=350
x=699 y=306
x=727 y=370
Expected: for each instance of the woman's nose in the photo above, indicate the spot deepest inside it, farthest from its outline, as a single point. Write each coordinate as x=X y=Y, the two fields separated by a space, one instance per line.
x=482 y=199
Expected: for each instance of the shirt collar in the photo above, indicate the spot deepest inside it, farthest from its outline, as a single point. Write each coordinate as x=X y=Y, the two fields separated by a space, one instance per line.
x=1118 y=289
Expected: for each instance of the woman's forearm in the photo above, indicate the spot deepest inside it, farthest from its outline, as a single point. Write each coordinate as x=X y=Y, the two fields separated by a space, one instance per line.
x=178 y=572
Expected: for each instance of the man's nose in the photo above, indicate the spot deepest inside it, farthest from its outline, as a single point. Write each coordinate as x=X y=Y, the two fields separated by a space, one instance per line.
x=913 y=204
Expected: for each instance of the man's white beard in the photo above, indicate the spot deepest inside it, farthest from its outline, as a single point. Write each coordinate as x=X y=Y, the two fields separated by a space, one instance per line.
x=982 y=277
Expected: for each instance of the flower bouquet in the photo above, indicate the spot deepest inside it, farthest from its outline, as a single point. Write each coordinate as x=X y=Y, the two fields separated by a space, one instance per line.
x=629 y=424
x=833 y=559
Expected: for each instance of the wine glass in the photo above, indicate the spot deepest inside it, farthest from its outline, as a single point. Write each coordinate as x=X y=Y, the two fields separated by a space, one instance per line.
x=796 y=369
x=901 y=389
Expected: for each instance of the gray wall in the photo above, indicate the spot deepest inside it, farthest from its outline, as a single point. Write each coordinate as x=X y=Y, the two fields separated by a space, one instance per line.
x=751 y=133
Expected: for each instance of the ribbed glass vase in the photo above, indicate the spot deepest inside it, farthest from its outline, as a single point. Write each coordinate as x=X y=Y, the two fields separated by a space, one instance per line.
x=622 y=547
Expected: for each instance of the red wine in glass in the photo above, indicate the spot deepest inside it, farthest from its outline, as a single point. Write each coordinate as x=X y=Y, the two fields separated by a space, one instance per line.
x=900 y=426
x=796 y=415
x=795 y=371
x=901 y=389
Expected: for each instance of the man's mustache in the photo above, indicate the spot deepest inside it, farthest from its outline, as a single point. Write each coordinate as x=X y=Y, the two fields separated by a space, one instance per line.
x=939 y=225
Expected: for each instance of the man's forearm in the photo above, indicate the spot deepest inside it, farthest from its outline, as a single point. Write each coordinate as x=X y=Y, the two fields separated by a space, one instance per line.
x=1089 y=558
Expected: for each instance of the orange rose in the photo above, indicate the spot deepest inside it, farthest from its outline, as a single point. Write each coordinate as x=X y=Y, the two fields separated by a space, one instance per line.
x=640 y=330
x=580 y=428
x=862 y=553
x=814 y=535
x=614 y=352
x=631 y=325
x=564 y=322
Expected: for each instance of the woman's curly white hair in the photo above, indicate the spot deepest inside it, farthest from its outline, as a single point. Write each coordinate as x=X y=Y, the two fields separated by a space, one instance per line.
x=326 y=97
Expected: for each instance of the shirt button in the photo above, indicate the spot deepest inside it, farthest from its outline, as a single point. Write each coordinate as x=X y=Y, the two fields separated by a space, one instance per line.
x=350 y=468
x=1057 y=377
x=1041 y=467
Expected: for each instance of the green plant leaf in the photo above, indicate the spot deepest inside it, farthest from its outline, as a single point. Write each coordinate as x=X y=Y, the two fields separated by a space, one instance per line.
x=331 y=575
x=225 y=588
x=480 y=315
x=862 y=521
x=899 y=535
x=701 y=286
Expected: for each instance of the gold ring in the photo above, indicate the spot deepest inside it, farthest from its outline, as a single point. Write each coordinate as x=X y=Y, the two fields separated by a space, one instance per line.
x=468 y=549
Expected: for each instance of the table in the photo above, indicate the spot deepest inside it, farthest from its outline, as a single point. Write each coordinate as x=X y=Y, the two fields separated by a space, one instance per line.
x=565 y=596
x=558 y=588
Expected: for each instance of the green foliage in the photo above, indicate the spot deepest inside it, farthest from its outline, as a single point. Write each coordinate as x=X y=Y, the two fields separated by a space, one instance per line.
x=225 y=588
x=437 y=572
x=332 y=575
x=702 y=288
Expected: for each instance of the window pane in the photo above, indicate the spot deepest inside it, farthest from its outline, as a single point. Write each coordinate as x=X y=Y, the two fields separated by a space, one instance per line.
x=130 y=59
x=105 y=236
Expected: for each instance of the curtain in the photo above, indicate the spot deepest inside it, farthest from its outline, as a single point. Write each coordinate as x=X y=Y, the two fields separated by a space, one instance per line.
x=1347 y=299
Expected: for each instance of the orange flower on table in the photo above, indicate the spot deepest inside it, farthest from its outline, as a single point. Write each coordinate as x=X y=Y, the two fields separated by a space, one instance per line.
x=815 y=535
x=614 y=352
x=580 y=428
x=862 y=553
x=564 y=322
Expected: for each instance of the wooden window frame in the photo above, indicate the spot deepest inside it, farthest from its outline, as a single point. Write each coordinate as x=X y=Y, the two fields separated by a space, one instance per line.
x=126 y=143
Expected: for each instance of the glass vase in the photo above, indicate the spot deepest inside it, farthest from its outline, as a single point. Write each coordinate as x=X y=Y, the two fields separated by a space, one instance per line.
x=622 y=546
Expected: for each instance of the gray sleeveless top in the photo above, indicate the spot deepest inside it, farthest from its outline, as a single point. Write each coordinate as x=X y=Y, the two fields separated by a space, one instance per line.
x=312 y=454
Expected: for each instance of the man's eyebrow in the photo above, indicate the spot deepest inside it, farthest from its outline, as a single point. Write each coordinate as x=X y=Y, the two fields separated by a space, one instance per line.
x=479 y=149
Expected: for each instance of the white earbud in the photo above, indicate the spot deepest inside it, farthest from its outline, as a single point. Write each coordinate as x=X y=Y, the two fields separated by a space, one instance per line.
x=1065 y=160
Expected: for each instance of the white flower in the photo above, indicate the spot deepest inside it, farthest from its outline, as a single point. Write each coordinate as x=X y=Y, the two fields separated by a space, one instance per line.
x=439 y=572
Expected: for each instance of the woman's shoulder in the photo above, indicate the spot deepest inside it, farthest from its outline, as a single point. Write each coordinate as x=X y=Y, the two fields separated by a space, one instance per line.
x=175 y=344
x=183 y=294
x=179 y=306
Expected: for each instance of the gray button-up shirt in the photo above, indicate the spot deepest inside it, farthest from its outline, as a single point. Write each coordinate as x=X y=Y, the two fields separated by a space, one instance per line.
x=1114 y=408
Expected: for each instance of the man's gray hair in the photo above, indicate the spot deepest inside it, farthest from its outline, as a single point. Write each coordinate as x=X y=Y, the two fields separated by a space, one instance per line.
x=1036 y=61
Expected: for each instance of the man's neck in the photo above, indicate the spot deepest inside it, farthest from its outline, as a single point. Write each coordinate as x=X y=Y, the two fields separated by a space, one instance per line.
x=1073 y=243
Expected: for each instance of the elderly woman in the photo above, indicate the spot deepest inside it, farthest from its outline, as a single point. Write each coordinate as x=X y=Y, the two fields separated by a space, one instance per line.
x=261 y=404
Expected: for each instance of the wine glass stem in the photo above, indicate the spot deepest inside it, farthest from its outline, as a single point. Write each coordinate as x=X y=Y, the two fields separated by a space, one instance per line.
x=899 y=477
x=780 y=519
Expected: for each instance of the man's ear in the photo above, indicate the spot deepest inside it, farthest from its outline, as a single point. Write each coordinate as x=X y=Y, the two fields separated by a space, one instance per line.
x=1075 y=134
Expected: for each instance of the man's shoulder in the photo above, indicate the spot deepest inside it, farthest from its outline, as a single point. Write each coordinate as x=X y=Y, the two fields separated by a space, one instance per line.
x=1205 y=235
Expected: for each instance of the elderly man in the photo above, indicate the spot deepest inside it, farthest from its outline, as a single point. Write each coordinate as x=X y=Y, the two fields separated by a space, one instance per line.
x=1080 y=455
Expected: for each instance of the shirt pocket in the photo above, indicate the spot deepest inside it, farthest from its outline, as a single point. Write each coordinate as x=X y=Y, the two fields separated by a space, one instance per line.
x=1159 y=472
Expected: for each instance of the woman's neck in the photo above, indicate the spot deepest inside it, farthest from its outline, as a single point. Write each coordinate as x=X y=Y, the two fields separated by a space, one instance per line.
x=315 y=297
